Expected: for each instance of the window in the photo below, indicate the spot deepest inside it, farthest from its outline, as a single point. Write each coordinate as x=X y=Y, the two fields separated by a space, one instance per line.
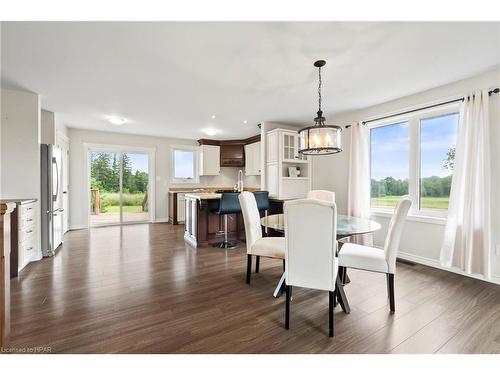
x=438 y=137
x=389 y=164
x=414 y=155
x=184 y=165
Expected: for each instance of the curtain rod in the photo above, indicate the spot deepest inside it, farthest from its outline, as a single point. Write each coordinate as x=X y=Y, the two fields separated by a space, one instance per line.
x=491 y=92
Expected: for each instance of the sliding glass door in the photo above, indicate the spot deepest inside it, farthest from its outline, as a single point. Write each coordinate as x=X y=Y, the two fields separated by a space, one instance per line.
x=119 y=185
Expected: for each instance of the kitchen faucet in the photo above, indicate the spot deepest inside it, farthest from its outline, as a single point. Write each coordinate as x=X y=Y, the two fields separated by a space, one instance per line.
x=240 y=181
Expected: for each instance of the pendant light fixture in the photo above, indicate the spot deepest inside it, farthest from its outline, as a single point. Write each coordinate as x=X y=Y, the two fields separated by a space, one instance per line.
x=320 y=139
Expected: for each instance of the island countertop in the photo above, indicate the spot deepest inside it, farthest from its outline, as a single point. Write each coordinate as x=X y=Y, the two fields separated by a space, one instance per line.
x=203 y=196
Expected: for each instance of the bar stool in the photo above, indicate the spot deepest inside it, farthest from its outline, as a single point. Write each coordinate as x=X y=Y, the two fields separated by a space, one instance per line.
x=228 y=204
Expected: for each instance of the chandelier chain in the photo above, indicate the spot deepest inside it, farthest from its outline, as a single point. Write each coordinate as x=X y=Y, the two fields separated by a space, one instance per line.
x=319 y=89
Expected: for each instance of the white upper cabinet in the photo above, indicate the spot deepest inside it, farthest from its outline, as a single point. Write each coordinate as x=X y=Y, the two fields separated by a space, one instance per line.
x=288 y=173
x=272 y=147
x=290 y=148
x=209 y=160
x=252 y=159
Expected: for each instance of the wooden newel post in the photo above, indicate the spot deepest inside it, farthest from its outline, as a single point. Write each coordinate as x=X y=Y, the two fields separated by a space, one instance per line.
x=5 y=211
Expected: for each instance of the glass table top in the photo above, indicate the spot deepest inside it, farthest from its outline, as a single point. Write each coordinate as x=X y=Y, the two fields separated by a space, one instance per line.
x=346 y=225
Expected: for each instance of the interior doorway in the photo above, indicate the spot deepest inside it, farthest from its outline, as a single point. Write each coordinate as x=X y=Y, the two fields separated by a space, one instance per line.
x=120 y=187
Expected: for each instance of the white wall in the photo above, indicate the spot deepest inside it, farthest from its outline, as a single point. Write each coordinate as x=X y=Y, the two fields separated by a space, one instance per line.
x=421 y=241
x=20 y=146
x=48 y=127
x=78 y=167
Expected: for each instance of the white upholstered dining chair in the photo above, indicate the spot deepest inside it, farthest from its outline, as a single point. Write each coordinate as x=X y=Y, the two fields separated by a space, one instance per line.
x=311 y=247
x=323 y=195
x=271 y=247
x=374 y=259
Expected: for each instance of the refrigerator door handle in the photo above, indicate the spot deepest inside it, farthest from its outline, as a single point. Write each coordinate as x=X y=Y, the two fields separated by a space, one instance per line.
x=56 y=197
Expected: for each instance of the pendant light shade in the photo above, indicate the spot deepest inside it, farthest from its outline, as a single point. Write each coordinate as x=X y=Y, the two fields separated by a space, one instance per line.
x=320 y=139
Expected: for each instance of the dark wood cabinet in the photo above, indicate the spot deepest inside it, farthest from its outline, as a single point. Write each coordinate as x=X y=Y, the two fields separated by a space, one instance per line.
x=232 y=155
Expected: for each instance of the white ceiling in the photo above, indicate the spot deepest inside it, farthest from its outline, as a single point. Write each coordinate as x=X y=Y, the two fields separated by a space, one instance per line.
x=169 y=78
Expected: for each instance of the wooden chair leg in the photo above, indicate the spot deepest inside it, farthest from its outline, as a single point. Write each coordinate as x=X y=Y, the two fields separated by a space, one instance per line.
x=257 y=264
x=249 y=267
x=331 y=299
x=288 y=290
x=392 y=301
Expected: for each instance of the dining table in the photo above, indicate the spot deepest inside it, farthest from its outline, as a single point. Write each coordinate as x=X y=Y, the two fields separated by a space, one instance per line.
x=347 y=226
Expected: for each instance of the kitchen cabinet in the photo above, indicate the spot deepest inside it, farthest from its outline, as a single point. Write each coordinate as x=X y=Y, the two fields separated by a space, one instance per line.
x=290 y=147
x=24 y=237
x=209 y=160
x=181 y=208
x=232 y=154
x=282 y=159
x=252 y=159
x=176 y=207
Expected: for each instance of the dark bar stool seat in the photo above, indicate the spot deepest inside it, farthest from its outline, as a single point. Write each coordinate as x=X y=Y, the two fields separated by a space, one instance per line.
x=262 y=198
x=228 y=204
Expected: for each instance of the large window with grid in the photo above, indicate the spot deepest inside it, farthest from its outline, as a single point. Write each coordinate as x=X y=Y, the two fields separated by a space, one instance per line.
x=414 y=155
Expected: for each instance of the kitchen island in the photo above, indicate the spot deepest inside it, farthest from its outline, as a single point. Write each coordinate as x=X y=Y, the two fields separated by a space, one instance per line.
x=203 y=226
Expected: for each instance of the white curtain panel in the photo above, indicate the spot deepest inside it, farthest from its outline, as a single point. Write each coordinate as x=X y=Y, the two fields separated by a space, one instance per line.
x=358 y=201
x=467 y=240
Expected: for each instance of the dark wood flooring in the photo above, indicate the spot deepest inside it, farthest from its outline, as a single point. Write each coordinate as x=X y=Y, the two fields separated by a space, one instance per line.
x=141 y=289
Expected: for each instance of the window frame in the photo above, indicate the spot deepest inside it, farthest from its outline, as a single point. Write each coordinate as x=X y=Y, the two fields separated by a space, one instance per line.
x=192 y=149
x=415 y=163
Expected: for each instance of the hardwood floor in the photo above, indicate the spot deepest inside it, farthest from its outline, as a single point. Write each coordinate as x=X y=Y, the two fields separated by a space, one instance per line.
x=140 y=289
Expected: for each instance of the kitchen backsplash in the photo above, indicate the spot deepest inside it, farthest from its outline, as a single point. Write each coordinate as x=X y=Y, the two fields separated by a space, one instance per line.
x=227 y=178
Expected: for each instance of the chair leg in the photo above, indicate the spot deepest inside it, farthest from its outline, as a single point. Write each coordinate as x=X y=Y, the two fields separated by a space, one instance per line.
x=392 y=302
x=341 y=274
x=257 y=264
x=249 y=267
x=283 y=265
x=288 y=290
x=388 y=288
x=331 y=299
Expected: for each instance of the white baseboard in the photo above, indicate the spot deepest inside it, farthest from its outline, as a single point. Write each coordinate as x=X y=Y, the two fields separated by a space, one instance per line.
x=495 y=279
x=161 y=220
x=77 y=227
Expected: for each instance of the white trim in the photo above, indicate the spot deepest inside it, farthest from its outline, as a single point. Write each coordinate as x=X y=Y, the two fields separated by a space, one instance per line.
x=196 y=166
x=495 y=279
x=151 y=151
x=411 y=217
x=161 y=220
x=78 y=227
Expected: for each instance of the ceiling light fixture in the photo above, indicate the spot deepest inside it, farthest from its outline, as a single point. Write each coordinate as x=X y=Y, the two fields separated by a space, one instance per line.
x=115 y=120
x=245 y=121
x=213 y=117
x=210 y=131
x=320 y=139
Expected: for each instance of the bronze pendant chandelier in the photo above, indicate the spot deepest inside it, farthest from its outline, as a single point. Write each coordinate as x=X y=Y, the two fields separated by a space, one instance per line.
x=320 y=139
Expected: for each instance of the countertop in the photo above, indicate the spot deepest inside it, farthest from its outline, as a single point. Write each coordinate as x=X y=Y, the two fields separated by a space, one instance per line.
x=203 y=196
x=19 y=201
x=206 y=190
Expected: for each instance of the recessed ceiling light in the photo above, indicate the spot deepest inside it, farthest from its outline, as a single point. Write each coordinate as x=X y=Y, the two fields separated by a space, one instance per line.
x=210 y=131
x=213 y=116
x=245 y=121
x=115 y=120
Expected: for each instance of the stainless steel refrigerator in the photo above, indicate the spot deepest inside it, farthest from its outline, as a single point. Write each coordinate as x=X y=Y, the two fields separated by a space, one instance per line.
x=51 y=201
